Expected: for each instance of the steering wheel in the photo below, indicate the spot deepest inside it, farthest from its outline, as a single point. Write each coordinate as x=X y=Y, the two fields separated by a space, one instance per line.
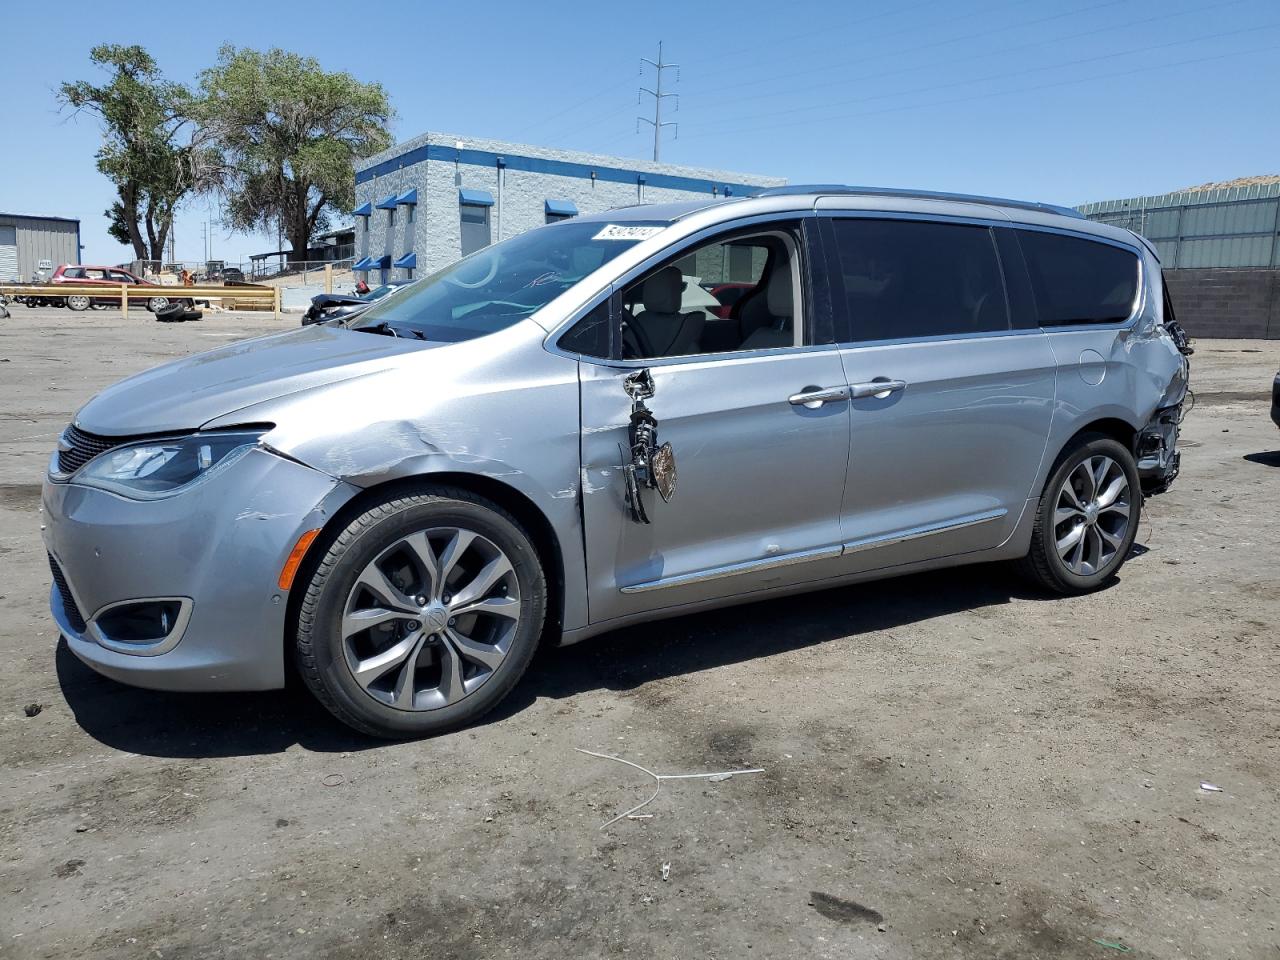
x=493 y=272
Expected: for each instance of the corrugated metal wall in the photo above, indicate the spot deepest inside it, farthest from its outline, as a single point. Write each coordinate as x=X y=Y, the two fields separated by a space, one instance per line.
x=1228 y=227
x=39 y=238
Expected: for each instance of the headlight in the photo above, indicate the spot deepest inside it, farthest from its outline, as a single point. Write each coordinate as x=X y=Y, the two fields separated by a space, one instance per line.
x=161 y=468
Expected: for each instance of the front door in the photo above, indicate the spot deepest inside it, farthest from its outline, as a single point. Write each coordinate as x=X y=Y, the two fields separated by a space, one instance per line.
x=951 y=386
x=760 y=461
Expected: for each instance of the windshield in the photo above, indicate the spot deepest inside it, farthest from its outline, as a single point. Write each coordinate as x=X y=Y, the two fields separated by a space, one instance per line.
x=502 y=284
x=377 y=292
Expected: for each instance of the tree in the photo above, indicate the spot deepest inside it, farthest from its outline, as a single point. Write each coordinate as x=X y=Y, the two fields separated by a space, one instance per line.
x=288 y=133
x=142 y=152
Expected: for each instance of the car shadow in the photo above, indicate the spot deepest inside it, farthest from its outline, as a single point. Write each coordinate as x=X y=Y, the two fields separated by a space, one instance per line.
x=204 y=725
x=1269 y=458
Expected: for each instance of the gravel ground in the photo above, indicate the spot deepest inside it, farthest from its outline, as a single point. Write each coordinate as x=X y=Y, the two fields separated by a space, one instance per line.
x=954 y=765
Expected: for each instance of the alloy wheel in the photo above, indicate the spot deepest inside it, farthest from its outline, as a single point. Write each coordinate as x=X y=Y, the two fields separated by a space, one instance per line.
x=1091 y=515
x=78 y=303
x=431 y=618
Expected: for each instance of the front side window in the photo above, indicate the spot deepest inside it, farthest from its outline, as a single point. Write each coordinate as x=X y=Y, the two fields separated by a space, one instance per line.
x=911 y=278
x=1078 y=280
x=502 y=284
x=672 y=311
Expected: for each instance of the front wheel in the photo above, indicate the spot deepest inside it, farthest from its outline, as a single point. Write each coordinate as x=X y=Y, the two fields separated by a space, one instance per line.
x=1087 y=518
x=422 y=614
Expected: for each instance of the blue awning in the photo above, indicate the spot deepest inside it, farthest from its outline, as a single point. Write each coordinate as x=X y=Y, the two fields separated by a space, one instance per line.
x=381 y=263
x=364 y=210
x=562 y=208
x=408 y=262
x=475 y=198
x=409 y=196
x=364 y=263
x=387 y=203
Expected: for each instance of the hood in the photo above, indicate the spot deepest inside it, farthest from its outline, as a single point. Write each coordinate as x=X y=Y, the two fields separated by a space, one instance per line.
x=187 y=393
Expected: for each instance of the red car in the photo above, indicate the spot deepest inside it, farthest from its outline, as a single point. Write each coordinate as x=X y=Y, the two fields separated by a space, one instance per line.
x=728 y=294
x=72 y=274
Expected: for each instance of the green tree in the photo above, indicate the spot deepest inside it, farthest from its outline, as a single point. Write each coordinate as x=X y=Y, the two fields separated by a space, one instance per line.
x=143 y=151
x=288 y=133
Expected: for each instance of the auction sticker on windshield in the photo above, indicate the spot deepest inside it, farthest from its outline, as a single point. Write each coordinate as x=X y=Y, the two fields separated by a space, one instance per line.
x=616 y=231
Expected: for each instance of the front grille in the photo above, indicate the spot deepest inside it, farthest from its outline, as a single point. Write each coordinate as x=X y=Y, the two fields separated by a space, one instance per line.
x=82 y=447
x=73 y=614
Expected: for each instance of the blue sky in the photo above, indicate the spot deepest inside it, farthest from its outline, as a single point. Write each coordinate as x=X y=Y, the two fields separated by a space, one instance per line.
x=1058 y=100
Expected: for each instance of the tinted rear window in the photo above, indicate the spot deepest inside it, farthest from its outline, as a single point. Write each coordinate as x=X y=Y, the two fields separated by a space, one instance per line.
x=908 y=278
x=1077 y=280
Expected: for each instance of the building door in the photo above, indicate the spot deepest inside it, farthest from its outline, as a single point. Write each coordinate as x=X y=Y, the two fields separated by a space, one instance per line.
x=8 y=252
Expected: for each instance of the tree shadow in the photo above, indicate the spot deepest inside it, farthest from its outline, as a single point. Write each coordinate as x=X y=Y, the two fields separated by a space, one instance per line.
x=1269 y=458
x=202 y=725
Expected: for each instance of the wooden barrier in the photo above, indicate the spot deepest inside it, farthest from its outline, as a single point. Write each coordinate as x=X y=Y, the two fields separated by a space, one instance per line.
x=263 y=298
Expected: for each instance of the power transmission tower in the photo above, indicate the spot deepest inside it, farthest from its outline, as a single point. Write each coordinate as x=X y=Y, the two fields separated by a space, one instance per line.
x=658 y=96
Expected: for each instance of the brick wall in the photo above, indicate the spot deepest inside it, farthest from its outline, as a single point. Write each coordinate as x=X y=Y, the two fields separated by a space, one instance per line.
x=1221 y=302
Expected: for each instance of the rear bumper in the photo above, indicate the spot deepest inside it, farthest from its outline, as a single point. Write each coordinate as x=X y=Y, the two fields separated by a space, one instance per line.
x=217 y=549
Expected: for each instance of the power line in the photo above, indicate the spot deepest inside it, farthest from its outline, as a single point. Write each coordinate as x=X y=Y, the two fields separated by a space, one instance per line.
x=572 y=107
x=986 y=54
x=994 y=93
x=658 y=97
x=1002 y=76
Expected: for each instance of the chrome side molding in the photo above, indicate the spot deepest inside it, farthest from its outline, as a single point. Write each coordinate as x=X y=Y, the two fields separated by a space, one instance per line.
x=818 y=553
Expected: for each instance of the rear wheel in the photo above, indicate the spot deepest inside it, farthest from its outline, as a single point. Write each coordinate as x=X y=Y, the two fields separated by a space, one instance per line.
x=1087 y=518
x=78 y=303
x=422 y=614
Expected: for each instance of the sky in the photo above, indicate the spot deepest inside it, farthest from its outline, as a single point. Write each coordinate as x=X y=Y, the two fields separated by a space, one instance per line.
x=1063 y=101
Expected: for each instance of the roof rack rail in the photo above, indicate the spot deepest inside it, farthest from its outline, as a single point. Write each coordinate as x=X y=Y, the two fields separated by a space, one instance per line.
x=840 y=189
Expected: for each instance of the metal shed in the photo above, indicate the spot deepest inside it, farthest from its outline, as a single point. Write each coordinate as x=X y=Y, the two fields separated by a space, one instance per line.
x=29 y=243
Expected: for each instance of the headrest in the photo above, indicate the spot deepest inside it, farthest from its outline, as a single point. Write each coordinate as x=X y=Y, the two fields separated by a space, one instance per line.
x=663 y=292
x=778 y=295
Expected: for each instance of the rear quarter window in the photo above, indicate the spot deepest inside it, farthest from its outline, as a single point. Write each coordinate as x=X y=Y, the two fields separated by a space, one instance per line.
x=1078 y=280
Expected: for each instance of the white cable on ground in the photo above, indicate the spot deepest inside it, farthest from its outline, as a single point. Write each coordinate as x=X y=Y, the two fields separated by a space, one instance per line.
x=659 y=777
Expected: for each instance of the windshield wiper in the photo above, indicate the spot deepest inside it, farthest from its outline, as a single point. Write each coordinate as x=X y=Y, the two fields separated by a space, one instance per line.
x=383 y=328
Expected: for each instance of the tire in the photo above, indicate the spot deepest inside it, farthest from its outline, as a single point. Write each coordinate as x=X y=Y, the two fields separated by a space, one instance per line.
x=156 y=304
x=436 y=667
x=171 y=313
x=78 y=303
x=1087 y=518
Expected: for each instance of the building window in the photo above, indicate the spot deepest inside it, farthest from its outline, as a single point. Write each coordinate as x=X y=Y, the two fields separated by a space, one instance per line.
x=475 y=228
x=391 y=219
x=412 y=207
x=556 y=210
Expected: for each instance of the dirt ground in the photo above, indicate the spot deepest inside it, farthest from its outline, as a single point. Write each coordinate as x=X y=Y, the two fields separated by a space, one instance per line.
x=954 y=766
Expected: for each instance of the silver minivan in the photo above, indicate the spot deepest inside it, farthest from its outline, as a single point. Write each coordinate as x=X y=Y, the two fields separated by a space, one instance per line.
x=566 y=432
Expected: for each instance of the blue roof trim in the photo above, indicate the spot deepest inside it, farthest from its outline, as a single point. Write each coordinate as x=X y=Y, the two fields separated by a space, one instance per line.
x=409 y=196
x=407 y=262
x=387 y=203
x=476 y=198
x=364 y=210
x=364 y=263
x=562 y=168
x=562 y=208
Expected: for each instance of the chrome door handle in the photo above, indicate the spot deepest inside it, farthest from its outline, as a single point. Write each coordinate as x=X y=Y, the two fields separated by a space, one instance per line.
x=814 y=397
x=879 y=388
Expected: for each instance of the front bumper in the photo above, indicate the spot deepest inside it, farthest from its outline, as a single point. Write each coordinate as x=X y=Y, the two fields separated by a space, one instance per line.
x=219 y=546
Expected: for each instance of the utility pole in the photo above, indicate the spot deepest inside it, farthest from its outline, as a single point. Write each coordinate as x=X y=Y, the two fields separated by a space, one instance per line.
x=658 y=96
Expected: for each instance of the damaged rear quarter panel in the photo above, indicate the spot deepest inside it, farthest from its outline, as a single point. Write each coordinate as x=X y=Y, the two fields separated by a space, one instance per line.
x=499 y=407
x=1124 y=372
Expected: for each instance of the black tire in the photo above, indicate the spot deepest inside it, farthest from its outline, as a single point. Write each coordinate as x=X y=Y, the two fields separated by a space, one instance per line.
x=319 y=644
x=1043 y=565
x=78 y=303
x=171 y=313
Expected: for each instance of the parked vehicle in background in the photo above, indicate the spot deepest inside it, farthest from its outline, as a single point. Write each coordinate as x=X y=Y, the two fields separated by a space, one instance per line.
x=154 y=296
x=727 y=295
x=344 y=306
x=232 y=275
x=406 y=504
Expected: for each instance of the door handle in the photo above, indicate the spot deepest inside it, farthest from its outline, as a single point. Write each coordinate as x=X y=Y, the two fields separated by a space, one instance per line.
x=879 y=388
x=814 y=397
